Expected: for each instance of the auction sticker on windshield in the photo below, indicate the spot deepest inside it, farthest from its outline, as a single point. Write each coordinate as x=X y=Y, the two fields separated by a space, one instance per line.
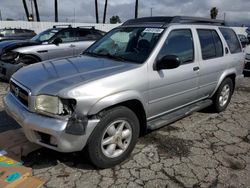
x=153 y=30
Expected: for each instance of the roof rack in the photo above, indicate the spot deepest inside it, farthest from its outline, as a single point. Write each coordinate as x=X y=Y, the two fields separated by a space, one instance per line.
x=58 y=26
x=91 y=27
x=164 y=21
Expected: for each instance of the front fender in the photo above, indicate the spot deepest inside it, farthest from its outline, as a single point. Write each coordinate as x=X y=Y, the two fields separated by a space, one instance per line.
x=114 y=99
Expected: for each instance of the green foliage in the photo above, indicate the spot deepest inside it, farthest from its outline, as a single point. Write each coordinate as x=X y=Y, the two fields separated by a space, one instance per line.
x=214 y=12
x=115 y=19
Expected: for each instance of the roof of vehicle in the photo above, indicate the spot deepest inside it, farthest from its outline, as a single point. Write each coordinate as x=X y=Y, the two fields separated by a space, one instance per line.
x=26 y=30
x=164 y=21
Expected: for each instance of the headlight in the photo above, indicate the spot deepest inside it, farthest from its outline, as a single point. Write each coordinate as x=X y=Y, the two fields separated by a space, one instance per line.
x=49 y=104
x=9 y=56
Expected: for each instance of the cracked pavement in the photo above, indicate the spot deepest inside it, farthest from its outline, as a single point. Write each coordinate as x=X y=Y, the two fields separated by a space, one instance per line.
x=202 y=150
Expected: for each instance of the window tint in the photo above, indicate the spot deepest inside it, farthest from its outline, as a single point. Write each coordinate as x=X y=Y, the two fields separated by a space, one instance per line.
x=211 y=45
x=67 y=36
x=179 y=43
x=231 y=39
x=218 y=44
x=83 y=35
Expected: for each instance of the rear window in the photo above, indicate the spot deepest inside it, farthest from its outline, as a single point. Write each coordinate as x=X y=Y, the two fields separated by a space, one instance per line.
x=211 y=45
x=231 y=39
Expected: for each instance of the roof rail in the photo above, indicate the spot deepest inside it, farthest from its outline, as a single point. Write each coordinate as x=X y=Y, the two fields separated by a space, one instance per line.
x=85 y=26
x=164 y=21
x=196 y=20
x=58 y=26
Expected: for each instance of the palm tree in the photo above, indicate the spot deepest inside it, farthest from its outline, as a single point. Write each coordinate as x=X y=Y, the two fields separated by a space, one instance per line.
x=56 y=11
x=96 y=12
x=26 y=9
x=214 y=12
x=105 y=11
x=37 y=11
x=136 y=8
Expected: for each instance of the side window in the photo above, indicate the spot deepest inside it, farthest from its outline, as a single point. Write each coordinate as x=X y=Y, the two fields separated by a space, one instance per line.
x=231 y=39
x=211 y=45
x=218 y=44
x=179 y=43
x=67 y=36
x=83 y=35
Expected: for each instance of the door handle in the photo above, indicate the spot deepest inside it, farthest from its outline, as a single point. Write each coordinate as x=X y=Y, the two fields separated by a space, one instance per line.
x=196 y=68
x=72 y=46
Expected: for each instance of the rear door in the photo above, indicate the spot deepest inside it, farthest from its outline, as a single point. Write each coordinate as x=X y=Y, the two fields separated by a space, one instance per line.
x=212 y=60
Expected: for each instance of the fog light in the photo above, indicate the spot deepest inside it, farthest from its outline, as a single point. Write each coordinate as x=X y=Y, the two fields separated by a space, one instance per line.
x=53 y=141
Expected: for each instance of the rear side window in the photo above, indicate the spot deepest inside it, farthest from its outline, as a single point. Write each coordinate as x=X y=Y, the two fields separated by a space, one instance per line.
x=179 y=43
x=231 y=39
x=211 y=45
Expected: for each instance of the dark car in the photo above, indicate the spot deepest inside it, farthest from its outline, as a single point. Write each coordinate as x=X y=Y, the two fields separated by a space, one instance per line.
x=16 y=34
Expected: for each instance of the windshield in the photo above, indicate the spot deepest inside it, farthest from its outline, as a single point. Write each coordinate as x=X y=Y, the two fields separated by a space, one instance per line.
x=129 y=44
x=45 y=35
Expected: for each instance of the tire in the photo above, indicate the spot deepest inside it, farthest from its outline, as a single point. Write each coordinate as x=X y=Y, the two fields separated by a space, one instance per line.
x=220 y=100
x=108 y=154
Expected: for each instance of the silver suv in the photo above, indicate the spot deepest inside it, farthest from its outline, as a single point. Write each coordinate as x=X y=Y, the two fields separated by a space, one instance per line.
x=57 y=42
x=142 y=75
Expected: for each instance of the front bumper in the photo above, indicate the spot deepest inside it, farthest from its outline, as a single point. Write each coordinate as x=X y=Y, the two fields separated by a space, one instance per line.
x=35 y=125
x=8 y=69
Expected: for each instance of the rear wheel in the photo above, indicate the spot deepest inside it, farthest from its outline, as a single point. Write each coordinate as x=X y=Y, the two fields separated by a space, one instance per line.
x=114 y=137
x=223 y=95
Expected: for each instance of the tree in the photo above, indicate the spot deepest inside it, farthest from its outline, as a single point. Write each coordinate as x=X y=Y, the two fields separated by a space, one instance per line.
x=105 y=11
x=56 y=11
x=37 y=11
x=115 y=19
x=26 y=9
x=136 y=8
x=214 y=12
x=96 y=12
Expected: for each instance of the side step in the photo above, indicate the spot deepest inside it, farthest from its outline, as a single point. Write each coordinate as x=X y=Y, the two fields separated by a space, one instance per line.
x=178 y=114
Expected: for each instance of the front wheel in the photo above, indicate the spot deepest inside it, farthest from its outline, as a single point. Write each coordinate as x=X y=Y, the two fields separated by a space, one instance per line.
x=223 y=95
x=114 y=137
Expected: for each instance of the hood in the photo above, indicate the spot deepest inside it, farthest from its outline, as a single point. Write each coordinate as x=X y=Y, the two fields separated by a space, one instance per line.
x=50 y=77
x=13 y=44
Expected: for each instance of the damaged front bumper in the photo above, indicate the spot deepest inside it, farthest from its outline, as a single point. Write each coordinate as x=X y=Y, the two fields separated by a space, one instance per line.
x=46 y=131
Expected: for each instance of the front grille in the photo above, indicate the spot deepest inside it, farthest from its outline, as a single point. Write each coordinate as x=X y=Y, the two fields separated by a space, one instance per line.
x=20 y=93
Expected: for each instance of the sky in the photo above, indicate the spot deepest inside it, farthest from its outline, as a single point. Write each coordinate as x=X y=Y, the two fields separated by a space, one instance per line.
x=235 y=11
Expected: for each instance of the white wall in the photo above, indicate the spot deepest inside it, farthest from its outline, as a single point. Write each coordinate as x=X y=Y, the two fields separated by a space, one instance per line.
x=41 y=26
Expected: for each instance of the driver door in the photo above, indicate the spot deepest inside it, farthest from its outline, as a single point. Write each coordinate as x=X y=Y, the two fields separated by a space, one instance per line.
x=171 y=89
x=65 y=48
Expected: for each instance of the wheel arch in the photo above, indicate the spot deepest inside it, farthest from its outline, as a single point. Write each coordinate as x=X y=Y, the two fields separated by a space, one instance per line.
x=133 y=102
x=228 y=74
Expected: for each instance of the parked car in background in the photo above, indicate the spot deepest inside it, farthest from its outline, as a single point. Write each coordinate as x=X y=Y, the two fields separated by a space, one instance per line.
x=244 y=40
x=143 y=75
x=57 y=42
x=16 y=34
x=247 y=61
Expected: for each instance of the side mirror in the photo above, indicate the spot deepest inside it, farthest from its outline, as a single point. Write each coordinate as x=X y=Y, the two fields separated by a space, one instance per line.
x=57 y=41
x=168 y=62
